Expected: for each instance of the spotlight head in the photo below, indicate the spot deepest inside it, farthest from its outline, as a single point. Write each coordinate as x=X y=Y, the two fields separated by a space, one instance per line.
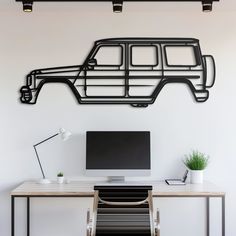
x=207 y=6
x=27 y=6
x=117 y=6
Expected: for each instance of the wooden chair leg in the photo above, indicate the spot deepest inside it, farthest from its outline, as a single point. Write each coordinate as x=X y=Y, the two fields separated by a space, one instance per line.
x=157 y=224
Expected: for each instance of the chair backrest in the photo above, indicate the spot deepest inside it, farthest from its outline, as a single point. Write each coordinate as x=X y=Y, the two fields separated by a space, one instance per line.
x=123 y=210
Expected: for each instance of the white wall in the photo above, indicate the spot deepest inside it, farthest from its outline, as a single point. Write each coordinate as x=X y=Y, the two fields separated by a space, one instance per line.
x=62 y=34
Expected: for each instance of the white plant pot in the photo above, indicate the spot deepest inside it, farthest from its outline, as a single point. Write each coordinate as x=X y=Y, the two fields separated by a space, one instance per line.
x=196 y=176
x=60 y=180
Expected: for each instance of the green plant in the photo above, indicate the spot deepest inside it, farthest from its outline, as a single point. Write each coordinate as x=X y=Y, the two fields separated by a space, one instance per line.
x=196 y=160
x=60 y=174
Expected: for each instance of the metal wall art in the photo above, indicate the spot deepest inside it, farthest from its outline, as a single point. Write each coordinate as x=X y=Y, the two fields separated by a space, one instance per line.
x=130 y=71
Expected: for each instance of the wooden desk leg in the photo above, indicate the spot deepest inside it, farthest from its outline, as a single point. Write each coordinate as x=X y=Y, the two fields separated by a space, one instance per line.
x=208 y=216
x=28 y=216
x=223 y=215
x=12 y=215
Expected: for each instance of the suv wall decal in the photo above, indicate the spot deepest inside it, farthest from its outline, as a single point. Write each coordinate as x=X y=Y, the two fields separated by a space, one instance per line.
x=129 y=71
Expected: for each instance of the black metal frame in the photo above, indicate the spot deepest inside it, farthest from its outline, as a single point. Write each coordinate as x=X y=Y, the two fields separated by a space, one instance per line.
x=30 y=91
x=109 y=65
x=28 y=197
x=140 y=65
x=196 y=56
x=207 y=197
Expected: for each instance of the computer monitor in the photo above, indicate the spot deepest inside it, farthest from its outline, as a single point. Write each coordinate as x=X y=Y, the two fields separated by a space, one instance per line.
x=117 y=154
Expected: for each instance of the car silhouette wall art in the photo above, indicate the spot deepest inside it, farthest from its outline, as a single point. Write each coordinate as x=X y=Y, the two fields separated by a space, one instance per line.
x=129 y=71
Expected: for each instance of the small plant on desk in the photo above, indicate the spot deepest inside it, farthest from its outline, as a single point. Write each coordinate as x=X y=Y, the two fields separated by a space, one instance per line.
x=60 y=177
x=196 y=162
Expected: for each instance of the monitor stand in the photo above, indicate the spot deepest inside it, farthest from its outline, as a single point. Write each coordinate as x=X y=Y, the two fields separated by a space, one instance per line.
x=116 y=179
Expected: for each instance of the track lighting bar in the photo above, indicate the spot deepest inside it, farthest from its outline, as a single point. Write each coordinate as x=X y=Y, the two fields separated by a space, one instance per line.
x=117 y=4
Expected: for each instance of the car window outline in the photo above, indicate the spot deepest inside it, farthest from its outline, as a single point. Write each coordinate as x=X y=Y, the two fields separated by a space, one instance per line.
x=140 y=65
x=177 y=45
x=109 y=45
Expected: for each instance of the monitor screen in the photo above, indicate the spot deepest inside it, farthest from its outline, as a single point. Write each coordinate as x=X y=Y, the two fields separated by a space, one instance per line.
x=118 y=150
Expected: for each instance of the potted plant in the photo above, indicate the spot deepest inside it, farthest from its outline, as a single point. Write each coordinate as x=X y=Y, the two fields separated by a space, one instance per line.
x=60 y=177
x=196 y=162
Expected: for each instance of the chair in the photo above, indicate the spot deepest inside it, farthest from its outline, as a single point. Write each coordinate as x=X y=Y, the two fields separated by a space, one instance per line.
x=123 y=210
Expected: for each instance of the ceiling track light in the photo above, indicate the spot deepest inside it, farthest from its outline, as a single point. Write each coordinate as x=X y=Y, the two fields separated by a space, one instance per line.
x=117 y=4
x=27 y=6
x=207 y=5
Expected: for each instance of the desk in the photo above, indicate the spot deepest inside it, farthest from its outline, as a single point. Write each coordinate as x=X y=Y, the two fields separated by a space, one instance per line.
x=78 y=189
